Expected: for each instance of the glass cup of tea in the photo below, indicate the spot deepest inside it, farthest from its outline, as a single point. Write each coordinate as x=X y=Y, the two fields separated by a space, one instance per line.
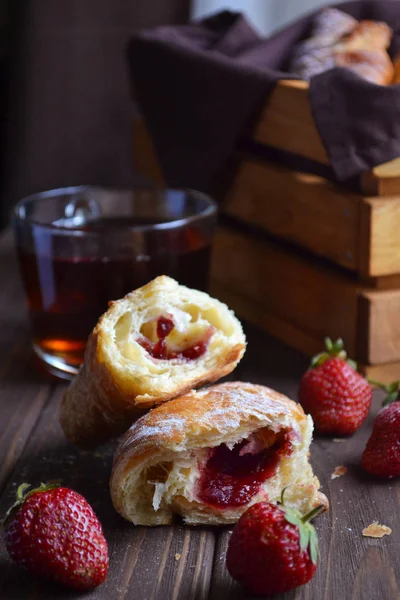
x=80 y=247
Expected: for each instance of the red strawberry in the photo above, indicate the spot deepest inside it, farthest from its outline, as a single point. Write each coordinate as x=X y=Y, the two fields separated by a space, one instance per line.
x=381 y=456
x=333 y=393
x=273 y=549
x=54 y=533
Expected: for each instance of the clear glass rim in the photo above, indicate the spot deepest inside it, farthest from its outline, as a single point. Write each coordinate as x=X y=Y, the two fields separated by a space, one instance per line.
x=209 y=210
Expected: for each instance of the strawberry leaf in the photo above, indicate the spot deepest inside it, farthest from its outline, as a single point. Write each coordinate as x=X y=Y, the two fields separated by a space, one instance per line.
x=392 y=390
x=23 y=494
x=292 y=516
x=21 y=490
x=391 y=397
x=314 y=550
x=337 y=346
x=307 y=534
x=332 y=349
x=393 y=387
x=304 y=532
x=318 y=359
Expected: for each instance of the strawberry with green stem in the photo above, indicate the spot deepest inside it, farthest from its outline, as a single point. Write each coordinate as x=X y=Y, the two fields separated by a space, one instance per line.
x=54 y=533
x=381 y=456
x=333 y=393
x=273 y=548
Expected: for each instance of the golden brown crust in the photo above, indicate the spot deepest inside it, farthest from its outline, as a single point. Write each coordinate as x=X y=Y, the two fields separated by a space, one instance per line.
x=367 y=35
x=375 y=66
x=322 y=501
x=363 y=51
x=179 y=429
x=93 y=409
x=113 y=389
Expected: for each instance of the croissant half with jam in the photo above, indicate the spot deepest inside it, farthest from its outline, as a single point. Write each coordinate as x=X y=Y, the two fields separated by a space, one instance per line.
x=210 y=454
x=156 y=343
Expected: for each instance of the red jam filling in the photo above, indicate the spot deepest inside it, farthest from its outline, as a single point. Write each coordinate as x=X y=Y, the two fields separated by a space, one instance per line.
x=231 y=478
x=159 y=348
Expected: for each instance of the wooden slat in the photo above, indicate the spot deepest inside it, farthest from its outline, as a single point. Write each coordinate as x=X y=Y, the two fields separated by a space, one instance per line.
x=389 y=282
x=380 y=339
x=287 y=122
x=382 y=180
x=386 y=373
x=381 y=245
x=315 y=298
x=301 y=208
x=351 y=230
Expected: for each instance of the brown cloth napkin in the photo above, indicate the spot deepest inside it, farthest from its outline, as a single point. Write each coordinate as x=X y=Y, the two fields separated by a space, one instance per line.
x=200 y=87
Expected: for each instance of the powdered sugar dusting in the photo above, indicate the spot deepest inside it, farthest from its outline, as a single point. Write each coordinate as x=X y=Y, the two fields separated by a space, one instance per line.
x=221 y=409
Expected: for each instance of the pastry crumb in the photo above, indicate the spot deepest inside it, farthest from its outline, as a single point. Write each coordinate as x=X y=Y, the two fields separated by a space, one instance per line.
x=339 y=440
x=375 y=530
x=339 y=472
x=177 y=556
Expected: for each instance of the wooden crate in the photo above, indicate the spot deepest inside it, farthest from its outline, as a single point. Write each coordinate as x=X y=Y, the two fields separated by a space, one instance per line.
x=337 y=271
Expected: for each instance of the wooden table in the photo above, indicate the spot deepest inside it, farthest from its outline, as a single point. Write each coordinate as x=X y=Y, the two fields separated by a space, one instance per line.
x=179 y=562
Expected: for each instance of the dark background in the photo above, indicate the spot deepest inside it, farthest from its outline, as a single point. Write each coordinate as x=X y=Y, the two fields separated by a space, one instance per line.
x=65 y=105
